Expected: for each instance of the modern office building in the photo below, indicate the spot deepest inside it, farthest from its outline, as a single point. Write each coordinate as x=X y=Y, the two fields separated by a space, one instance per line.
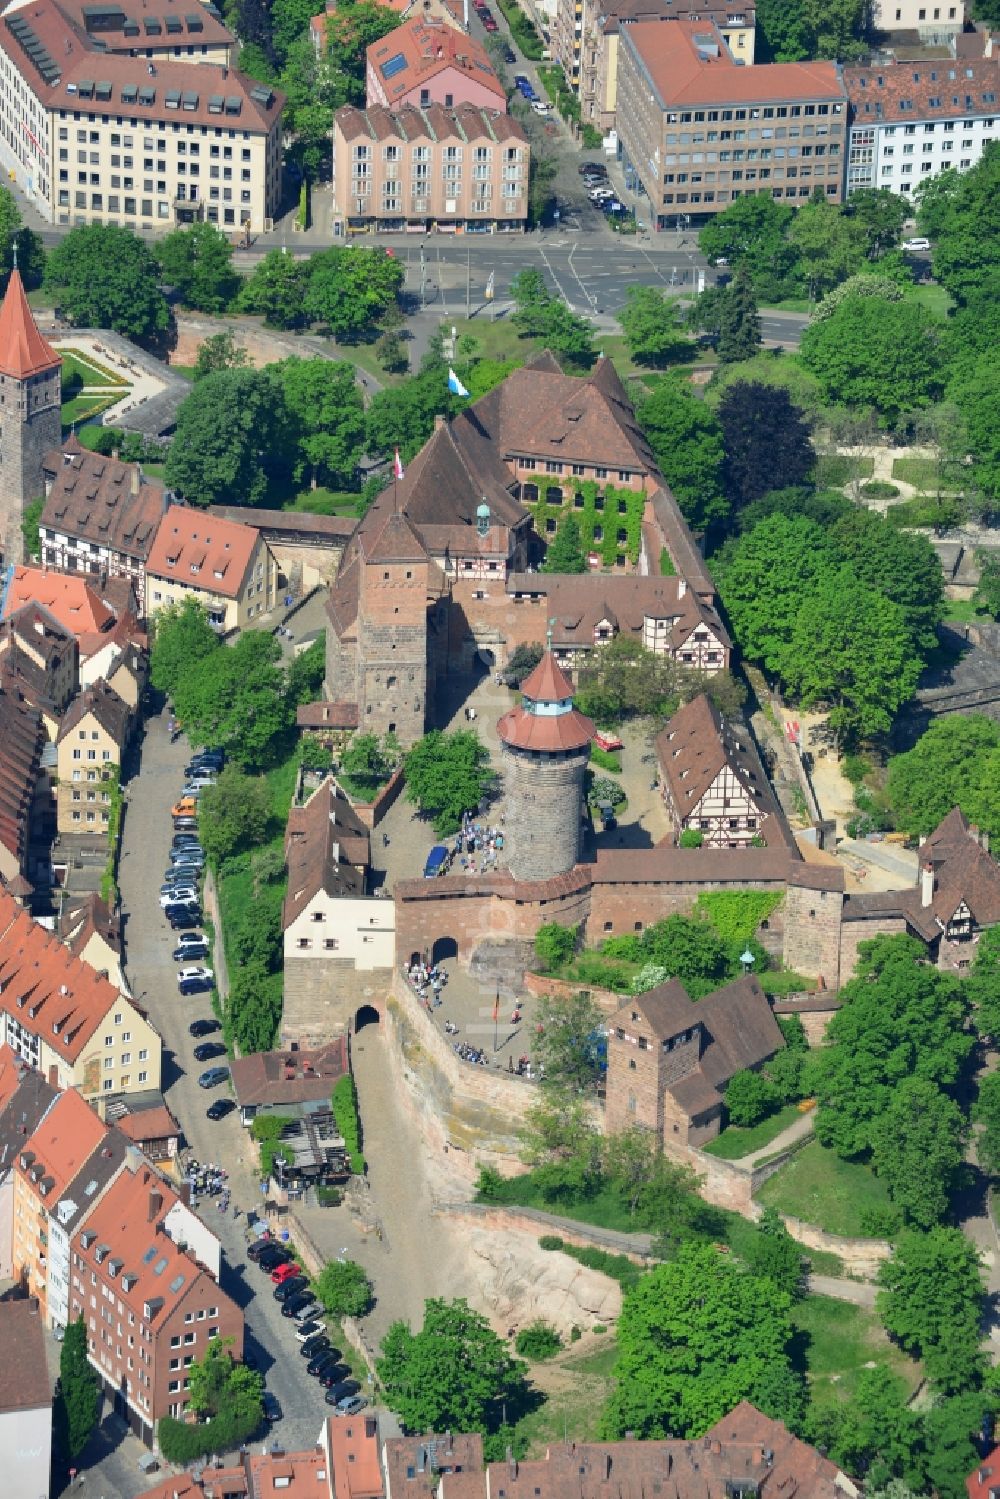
x=132 y=115
x=699 y=131
x=909 y=121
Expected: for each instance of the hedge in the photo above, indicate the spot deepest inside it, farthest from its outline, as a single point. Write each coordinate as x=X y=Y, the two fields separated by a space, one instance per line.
x=184 y=1443
x=344 y=1102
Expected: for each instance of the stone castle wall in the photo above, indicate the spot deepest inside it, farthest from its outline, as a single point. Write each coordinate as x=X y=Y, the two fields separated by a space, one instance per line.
x=322 y=995
x=544 y=801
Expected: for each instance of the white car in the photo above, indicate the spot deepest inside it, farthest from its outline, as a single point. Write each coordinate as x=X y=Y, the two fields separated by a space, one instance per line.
x=178 y=895
x=541 y=108
x=918 y=243
x=195 y=971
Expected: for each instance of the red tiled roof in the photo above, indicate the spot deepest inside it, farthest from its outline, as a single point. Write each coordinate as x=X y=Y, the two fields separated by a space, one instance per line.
x=23 y=350
x=327 y=715
x=24 y=1376
x=689 y=63
x=547 y=683
x=938 y=90
x=202 y=551
x=545 y=733
x=72 y=600
x=68 y=1134
x=427 y=48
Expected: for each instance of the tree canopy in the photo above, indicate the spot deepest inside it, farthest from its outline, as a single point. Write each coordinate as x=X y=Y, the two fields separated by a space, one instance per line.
x=78 y=1395
x=899 y=1019
x=652 y=327
x=917 y=1147
x=447 y=775
x=765 y=439
x=227 y=431
x=233 y=814
x=452 y=1375
x=954 y=763
x=687 y=444
x=874 y=354
x=182 y=636
x=695 y=1337
x=239 y=700
x=198 y=263
x=323 y=401
x=570 y=1040
x=966 y=222
x=932 y=1301
x=344 y=1289
x=739 y=320
x=103 y=276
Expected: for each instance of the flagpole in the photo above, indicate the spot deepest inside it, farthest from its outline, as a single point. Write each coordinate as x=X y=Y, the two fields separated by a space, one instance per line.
x=496 y=1017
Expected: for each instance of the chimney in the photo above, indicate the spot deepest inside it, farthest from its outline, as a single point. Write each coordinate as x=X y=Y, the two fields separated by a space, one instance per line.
x=926 y=884
x=115 y=453
x=135 y=478
x=439 y=422
x=717 y=1448
x=682 y=587
x=155 y=1204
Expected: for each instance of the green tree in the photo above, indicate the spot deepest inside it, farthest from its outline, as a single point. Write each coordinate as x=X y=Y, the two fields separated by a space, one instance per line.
x=874 y=354
x=652 y=328
x=772 y=1252
x=917 y=1149
x=541 y=315
x=182 y=638
x=564 y=553
x=687 y=444
x=344 y=1289
x=954 y=763
x=555 y=944
x=233 y=814
x=975 y=389
x=239 y=701
x=899 y=1019
x=876 y=1433
x=987 y=595
x=522 y=662
x=349 y=289
x=78 y=1395
x=851 y=647
x=881 y=214
x=982 y=987
x=750 y=1097
x=306 y=672
x=227 y=433
x=277 y=289
x=350 y=30
x=739 y=325
x=932 y=1302
x=452 y=1375
x=678 y=1372
x=103 y=276
x=766 y=441
x=447 y=775
x=952 y=1432
x=10 y=224
x=691 y=950
x=752 y=232
x=934 y=196
x=986 y=1112
x=403 y=417
x=289 y=19
x=967 y=250
x=30 y=518
x=570 y=1041
x=327 y=418
x=865 y=283
x=560 y=1127
x=254 y=1007
x=220 y=351
x=900 y=565
x=367 y=763
x=830 y=244
x=198 y=263
x=218 y=1384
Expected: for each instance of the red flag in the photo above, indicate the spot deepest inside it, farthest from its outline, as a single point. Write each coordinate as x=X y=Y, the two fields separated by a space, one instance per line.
x=397 y=466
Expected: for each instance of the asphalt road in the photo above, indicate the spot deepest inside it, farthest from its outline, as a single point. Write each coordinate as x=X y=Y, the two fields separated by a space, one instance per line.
x=151 y=972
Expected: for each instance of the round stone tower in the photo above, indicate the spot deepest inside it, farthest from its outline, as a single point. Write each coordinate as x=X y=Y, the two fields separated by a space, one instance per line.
x=546 y=745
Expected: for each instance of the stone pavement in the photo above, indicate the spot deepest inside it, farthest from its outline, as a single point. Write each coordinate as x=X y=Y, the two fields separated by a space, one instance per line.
x=798 y=1128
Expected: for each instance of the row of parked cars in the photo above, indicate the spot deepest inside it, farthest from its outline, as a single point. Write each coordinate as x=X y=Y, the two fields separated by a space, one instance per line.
x=599 y=190
x=180 y=902
x=488 y=19
x=526 y=89
x=324 y=1362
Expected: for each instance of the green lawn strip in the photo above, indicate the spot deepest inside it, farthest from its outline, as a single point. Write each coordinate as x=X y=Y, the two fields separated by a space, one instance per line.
x=820 y=1188
x=788 y=304
x=961 y=611
x=89 y=371
x=363 y=356
x=922 y=473
x=322 y=501
x=933 y=297
x=85 y=408
x=186 y=371
x=834 y=470
x=734 y=1143
x=837 y=1340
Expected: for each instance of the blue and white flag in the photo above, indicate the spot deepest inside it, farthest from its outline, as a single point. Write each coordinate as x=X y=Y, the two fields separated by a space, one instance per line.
x=455 y=385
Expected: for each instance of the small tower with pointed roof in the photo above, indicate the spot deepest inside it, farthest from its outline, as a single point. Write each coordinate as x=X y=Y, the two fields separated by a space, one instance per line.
x=30 y=421
x=392 y=627
x=546 y=745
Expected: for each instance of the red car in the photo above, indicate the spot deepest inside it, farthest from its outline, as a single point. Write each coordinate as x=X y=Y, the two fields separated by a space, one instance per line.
x=284 y=1271
x=606 y=741
x=489 y=24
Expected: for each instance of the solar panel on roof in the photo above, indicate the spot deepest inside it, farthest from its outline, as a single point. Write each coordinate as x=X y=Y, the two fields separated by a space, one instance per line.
x=393 y=66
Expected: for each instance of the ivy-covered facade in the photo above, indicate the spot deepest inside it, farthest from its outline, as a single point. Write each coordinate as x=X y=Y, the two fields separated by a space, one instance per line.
x=609 y=517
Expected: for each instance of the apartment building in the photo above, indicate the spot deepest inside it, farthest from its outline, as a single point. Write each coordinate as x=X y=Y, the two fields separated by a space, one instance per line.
x=25 y=796
x=700 y=131
x=131 y=115
x=226 y=566
x=150 y=1307
x=457 y=169
x=25 y=1098
x=909 y=121
x=585 y=40
x=100 y=516
x=90 y=749
x=65 y=1019
x=932 y=23
x=43 y=658
x=425 y=62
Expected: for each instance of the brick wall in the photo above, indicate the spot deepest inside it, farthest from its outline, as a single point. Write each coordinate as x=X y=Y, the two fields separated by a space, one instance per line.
x=25 y=438
x=812 y=943
x=474 y=921
x=853 y=933
x=615 y=909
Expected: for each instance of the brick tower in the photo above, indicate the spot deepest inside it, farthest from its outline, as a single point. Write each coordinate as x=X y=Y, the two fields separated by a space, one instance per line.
x=30 y=423
x=392 y=632
x=546 y=744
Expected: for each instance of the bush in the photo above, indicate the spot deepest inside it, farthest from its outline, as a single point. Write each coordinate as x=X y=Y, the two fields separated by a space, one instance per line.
x=598 y=1328
x=605 y=759
x=879 y=489
x=605 y=790
x=547 y=1241
x=181 y=1443
x=539 y=1340
x=555 y=944
x=490 y=1186
x=575 y=1333
x=344 y=1102
x=527 y=38
x=344 y=1289
x=855 y=768
x=881 y=1222
x=750 y=1097
x=691 y=838
x=266 y=1130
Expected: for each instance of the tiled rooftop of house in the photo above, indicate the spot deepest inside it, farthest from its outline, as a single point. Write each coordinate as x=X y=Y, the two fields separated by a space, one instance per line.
x=202 y=551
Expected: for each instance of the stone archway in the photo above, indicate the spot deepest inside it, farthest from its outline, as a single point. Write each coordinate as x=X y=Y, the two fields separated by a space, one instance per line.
x=366 y=1015
x=443 y=949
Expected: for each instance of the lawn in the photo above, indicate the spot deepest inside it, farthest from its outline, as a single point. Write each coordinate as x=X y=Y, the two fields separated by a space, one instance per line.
x=818 y=1187
x=834 y=470
x=923 y=473
x=734 y=1143
x=501 y=340
x=85 y=408
x=322 y=501
x=836 y=1340
x=575 y=1387
x=933 y=297
x=961 y=611
x=89 y=371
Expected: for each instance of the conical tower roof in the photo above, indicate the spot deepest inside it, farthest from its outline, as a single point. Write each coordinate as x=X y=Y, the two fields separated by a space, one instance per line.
x=23 y=350
x=546 y=720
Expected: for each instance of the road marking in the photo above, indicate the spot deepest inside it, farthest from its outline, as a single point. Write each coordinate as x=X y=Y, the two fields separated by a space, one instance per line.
x=591 y=299
x=559 y=287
